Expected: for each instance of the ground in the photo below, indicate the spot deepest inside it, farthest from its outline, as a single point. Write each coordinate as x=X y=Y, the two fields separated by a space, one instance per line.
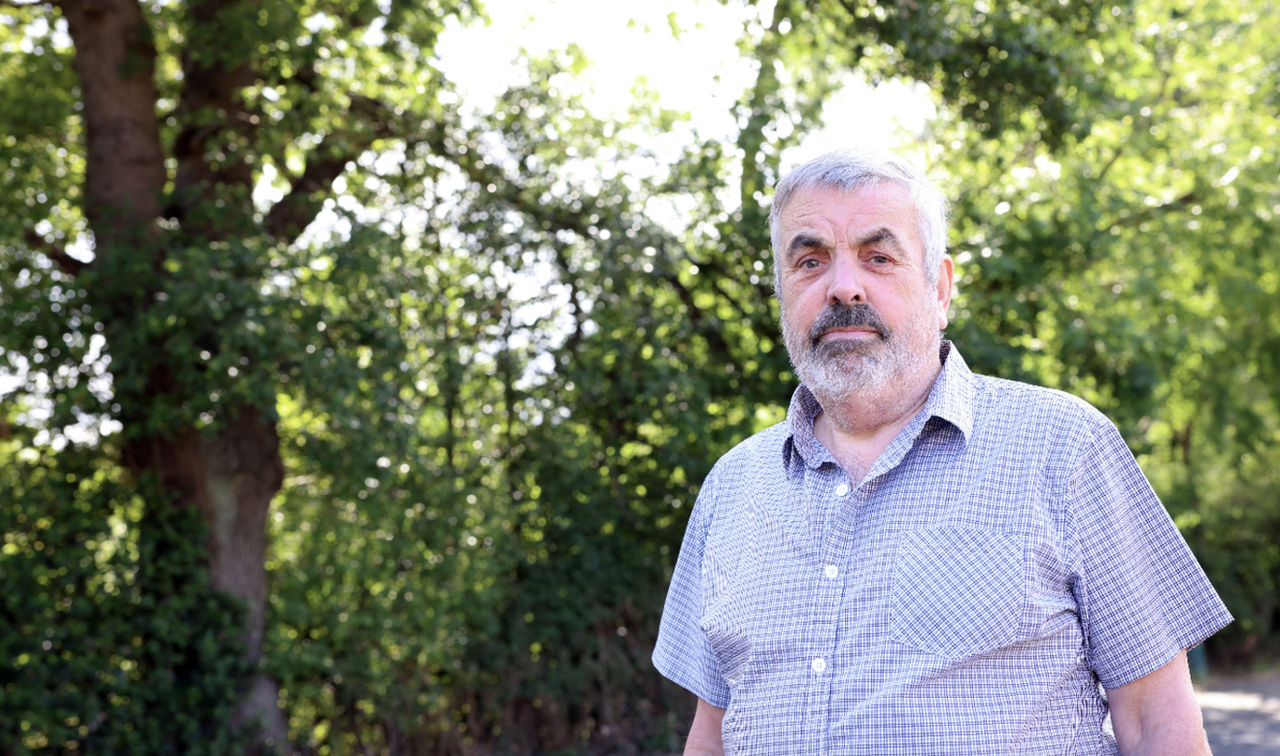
x=1242 y=713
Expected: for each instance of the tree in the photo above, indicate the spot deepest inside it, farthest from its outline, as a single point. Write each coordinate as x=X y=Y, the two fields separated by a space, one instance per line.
x=148 y=136
x=443 y=450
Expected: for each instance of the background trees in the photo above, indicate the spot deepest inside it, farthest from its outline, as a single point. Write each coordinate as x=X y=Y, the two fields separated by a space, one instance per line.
x=440 y=449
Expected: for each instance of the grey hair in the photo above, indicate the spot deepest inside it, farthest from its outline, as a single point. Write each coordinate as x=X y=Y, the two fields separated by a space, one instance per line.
x=852 y=169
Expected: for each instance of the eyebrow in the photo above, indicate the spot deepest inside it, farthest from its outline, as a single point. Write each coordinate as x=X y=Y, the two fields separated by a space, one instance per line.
x=881 y=235
x=805 y=241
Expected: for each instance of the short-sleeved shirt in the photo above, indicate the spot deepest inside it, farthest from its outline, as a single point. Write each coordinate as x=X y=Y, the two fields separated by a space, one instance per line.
x=1002 y=558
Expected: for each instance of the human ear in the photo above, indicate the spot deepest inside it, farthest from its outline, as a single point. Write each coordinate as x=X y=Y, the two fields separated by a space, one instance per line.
x=945 y=271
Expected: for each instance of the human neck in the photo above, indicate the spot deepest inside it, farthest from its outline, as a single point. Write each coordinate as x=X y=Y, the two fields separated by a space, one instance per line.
x=858 y=426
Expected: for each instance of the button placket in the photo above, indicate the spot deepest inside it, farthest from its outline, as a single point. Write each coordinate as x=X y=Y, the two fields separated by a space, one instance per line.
x=824 y=621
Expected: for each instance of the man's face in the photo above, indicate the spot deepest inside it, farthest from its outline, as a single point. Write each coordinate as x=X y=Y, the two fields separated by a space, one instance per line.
x=858 y=310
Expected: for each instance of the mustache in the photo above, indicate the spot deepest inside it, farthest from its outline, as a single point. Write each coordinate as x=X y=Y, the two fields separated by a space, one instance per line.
x=839 y=315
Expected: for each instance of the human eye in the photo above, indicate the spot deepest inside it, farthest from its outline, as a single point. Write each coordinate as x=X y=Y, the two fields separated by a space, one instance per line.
x=810 y=263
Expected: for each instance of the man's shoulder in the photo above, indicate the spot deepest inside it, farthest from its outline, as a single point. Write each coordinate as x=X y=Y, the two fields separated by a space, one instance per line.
x=753 y=464
x=758 y=449
x=1002 y=401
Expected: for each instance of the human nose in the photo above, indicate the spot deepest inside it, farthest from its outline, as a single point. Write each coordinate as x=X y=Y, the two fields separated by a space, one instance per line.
x=845 y=284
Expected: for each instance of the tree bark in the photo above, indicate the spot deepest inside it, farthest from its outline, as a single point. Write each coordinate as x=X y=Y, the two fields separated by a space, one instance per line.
x=125 y=174
x=229 y=477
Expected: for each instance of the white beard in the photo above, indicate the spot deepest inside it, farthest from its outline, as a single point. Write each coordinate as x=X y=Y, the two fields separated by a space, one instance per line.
x=857 y=382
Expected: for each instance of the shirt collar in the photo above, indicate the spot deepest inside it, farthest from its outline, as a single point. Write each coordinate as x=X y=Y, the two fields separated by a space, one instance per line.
x=950 y=399
x=804 y=408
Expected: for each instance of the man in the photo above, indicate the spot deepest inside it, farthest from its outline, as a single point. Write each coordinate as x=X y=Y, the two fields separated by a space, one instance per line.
x=921 y=560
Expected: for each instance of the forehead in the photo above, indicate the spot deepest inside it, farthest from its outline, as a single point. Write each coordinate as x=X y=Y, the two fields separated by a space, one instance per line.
x=866 y=208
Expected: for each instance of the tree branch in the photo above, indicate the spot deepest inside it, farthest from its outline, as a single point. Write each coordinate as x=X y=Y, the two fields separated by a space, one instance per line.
x=55 y=252
x=1181 y=203
x=751 y=139
x=289 y=217
x=554 y=219
x=212 y=114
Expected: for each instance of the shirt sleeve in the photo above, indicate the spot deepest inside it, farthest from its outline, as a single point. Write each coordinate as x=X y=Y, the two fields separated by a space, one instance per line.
x=682 y=653
x=1142 y=595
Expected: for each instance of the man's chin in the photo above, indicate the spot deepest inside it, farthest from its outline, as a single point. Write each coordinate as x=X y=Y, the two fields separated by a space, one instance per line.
x=841 y=370
x=834 y=349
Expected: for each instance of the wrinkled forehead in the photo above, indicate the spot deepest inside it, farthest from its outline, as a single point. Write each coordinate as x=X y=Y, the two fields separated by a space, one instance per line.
x=784 y=205
x=870 y=205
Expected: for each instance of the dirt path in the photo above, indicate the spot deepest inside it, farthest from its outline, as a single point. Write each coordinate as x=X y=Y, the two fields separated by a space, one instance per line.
x=1242 y=714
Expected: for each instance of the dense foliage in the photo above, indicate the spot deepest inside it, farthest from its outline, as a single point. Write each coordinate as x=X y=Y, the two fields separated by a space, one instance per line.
x=113 y=637
x=495 y=381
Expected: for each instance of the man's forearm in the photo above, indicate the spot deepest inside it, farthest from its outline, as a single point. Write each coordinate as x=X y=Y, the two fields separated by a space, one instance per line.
x=1177 y=742
x=704 y=734
x=1157 y=715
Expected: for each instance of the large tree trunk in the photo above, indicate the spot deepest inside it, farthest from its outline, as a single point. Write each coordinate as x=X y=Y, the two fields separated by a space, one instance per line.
x=125 y=174
x=231 y=476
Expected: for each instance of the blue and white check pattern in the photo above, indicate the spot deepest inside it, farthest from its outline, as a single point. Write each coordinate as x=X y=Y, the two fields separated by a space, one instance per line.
x=1003 y=557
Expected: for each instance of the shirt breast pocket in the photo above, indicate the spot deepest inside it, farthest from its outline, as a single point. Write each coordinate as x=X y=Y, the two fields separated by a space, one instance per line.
x=958 y=593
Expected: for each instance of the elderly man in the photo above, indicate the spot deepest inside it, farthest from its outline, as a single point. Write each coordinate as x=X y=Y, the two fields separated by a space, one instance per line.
x=921 y=560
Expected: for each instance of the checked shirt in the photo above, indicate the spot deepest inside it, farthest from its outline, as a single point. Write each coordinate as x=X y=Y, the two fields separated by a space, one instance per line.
x=1003 y=557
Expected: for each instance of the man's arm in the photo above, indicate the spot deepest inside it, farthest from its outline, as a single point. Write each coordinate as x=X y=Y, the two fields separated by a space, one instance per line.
x=1158 y=714
x=704 y=733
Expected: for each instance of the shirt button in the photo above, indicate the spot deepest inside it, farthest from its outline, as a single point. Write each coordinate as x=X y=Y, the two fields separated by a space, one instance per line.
x=819 y=665
x=831 y=571
x=842 y=489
